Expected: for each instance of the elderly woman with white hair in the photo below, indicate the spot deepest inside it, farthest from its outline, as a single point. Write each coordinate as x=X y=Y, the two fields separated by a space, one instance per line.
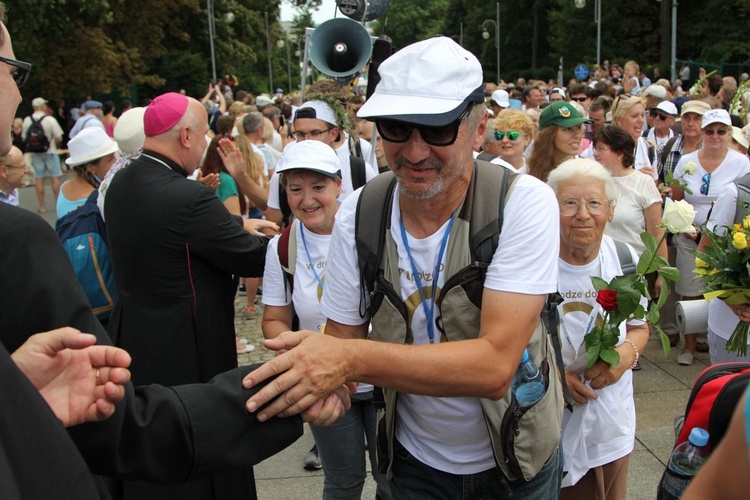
x=599 y=435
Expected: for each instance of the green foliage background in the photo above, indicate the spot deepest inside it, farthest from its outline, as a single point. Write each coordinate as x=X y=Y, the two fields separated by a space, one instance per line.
x=146 y=47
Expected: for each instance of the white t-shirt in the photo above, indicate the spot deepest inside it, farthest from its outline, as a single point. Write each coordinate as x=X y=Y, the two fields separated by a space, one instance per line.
x=307 y=290
x=450 y=434
x=642 y=158
x=635 y=193
x=602 y=430
x=735 y=165
x=721 y=320
x=659 y=141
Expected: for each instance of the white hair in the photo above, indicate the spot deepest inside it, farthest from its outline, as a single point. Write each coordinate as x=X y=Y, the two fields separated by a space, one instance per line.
x=583 y=167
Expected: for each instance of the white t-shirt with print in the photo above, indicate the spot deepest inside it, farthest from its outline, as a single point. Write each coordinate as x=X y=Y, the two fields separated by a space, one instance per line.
x=602 y=430
x=635 y=193
x=721 y=320
x=450 y=434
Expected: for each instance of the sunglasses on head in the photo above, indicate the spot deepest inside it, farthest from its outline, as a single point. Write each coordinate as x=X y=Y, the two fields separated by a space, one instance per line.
x=712 y=131
x=22 y=71
x=656 y=114
x=398 y=131
x=512 y=135
x=706 y=183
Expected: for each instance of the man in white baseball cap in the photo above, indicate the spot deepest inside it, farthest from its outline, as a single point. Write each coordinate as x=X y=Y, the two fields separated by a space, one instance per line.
x=499 y=101
x=440 y=440
x=662 y=117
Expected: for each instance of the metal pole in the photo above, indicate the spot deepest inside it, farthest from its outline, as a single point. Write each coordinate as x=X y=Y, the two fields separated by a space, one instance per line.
x=211 y=35
x=497 y=38
x=673 y=55
x=289 y=66
x=268 y=49
x=598 y=19
x=461 y=34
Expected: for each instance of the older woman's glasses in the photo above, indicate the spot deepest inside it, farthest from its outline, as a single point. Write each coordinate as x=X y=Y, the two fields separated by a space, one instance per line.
x=706 y=184
x=512 y=135
x=570 y=207
x=22 y=71
x=712 y=131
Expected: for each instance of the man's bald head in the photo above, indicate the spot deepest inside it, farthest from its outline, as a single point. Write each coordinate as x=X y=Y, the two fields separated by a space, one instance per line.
x=185 y=139
x=12 y=169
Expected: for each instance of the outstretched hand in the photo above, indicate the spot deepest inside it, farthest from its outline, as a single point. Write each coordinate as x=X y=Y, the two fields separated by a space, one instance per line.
x=211 y=180
x=256 y=227
x=232 y=158
x=80 y=381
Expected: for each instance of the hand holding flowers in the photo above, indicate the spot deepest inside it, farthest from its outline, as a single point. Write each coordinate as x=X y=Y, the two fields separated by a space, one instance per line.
x=688 y=169
x=620 y=299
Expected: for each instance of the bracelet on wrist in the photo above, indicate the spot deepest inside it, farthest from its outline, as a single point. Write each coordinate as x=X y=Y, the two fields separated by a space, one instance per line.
x=635 y=349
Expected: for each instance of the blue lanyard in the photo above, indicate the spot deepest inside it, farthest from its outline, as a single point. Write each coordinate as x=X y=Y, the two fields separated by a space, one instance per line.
x=312 y=266
x=429 y=307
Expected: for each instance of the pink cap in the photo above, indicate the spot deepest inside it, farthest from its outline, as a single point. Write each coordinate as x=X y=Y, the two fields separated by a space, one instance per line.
x=163 y=113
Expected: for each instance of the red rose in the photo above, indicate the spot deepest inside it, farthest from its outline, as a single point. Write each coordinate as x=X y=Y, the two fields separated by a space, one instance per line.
x=607 y=299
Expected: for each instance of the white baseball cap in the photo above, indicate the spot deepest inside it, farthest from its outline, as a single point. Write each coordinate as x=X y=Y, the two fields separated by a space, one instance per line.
x=667 y=107
x=716 y=116
x=501 y=98
x=427 y=83
x=315 y=156
x=318 y=110
x=739 y=136
x=656 y=91
x=38 y=102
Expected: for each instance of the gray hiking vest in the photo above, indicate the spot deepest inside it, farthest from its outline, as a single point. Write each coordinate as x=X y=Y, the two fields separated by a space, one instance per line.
x=522 y=440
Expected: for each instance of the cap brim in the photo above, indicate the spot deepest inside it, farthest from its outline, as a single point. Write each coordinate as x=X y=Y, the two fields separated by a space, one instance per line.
x=571 y=122
x=333 y=175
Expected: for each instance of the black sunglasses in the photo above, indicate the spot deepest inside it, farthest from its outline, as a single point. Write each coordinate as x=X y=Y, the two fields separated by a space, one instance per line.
x=656 y=114
x=579 y=99
x=398 y=131
x=706 y=184
x=21 y=74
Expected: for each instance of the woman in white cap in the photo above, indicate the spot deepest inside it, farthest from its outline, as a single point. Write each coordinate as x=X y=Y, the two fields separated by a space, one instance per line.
x=293 y=282
x=707 y=173
x=92 y=154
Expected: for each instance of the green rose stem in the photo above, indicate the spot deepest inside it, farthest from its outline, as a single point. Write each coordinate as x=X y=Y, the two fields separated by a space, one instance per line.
x=600 y=342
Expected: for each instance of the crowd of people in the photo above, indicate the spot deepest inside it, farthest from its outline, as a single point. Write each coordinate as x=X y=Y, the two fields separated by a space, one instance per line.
x=396 y=241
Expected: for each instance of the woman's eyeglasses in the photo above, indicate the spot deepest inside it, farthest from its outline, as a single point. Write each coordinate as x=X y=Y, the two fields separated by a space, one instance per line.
x=656 y=114
x=512 y=135
x=570 y=207
x=22 y=71
x=712 y=131
x=706 y=183
x=398 y=131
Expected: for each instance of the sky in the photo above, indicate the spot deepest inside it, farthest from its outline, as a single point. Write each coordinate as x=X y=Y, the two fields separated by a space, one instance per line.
x=327 y=10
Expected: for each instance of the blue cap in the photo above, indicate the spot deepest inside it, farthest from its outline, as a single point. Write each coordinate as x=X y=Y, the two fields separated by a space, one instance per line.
x=279 y=90
x=91 y=105
x=698 y=437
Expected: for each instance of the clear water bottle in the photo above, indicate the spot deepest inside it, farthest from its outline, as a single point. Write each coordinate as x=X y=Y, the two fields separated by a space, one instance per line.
x=684 y=463
x=528 y=384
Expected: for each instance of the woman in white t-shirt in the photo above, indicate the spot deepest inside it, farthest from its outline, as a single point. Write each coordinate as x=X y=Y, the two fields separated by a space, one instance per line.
x=309 y=171
x=599 y=435
x=723 y=318
x=707 y=173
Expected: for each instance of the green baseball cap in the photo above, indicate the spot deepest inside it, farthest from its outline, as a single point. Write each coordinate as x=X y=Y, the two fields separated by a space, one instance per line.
x=562 y=114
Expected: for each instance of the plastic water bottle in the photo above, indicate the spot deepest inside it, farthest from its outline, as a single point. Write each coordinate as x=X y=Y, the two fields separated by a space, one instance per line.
x=684 y=463
x=528 y=384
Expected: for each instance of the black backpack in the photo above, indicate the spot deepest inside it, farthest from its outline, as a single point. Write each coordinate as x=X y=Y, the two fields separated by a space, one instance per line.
x=36 y=139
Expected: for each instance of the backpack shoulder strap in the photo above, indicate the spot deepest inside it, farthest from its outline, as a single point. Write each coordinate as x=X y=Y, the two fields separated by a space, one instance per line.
x=371 y=223
x=666 y=149
x=355 y=149
x=287 y=250
x=743 y=198
x=490 y=182
x=486 y=157
x=358 y=169
x=625 y=257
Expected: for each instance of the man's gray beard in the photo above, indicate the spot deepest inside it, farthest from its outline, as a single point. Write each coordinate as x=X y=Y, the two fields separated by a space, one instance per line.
x=439 y=186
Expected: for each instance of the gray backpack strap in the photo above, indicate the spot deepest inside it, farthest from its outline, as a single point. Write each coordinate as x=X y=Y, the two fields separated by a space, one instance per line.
x=370 y=225
x=625 y=257
x=486 y=221
x=743 y=198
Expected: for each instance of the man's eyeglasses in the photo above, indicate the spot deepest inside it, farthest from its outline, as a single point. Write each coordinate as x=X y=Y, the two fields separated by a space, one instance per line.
x=656 y=114
x=706 y=183
x=712 y=131
x=313 y=134
x=22 y=71
x=398 y=131
x=579 y=99
x=512 y=135
x=570 y=207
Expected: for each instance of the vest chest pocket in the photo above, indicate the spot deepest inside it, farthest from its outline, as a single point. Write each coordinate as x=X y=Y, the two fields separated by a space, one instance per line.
x=460 y=303
x=390 y=320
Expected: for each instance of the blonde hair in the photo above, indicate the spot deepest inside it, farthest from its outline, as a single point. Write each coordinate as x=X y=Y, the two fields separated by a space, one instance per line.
x=253 y=161
x=622 y=105
x=514 y=119
x=634 y=65
x=267 y=131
